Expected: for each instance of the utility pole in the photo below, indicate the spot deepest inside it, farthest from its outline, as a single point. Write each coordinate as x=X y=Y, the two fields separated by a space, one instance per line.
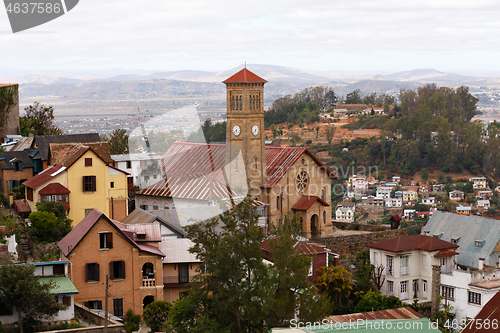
x=106 y=308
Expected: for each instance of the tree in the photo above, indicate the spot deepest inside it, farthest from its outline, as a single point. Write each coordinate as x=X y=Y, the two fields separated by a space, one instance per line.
x=424 y=173
x=274 y=131
x=289 y=126
x=335 y=281
x=39 y=120
x=117 y=141
x=364 y=270
x=240 y=292
x=317 y=131
x=21 y=290
x=354 y=97
x=49 y=223
x=330 y=132
x=295 y=139
x=155 y=315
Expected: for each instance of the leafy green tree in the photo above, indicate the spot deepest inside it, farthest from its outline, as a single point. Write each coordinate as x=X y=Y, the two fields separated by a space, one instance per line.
x=240 y=292
x=335 y=281
x=19 y=192
x=364 y=271
x=295 y=139
x=424 y=173
x=289 y=127
x=330 y=132
x=39 y=120
x=21 y=290
x=44 y=227
x=374 y=301
x=354 y=97
x=117 y=141
x=274 y=131
x=317 y=131
x=155 y=315
x=131 y=321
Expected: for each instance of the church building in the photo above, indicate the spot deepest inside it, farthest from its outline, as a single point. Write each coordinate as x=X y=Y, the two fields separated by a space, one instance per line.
x=287 y=179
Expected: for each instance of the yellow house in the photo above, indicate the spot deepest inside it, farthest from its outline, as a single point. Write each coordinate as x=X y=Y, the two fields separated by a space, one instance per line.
x=82 y=180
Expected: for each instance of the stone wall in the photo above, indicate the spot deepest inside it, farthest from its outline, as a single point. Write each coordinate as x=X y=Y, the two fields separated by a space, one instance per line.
x=10 y=120
x=4 y=254
x=348 y=246
x=357 y=226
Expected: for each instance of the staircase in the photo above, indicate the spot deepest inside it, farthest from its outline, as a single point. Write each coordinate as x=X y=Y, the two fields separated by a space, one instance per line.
x=25 y=245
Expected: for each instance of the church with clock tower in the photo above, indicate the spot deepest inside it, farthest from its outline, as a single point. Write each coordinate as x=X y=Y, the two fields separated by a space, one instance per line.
x=285 y=179
x=288 y=179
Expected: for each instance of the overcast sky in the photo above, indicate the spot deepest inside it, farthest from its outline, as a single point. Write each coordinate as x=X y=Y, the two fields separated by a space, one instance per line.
x=336 y=35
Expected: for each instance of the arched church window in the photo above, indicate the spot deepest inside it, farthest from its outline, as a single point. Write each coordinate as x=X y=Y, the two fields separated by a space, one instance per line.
x=241 y=103
x=302 y=180
x=232 y=102
x=278 y=202
x=323 y=194
x=324 y=217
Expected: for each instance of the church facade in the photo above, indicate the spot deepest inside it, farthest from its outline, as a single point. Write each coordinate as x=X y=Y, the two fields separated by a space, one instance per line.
x=288 y=179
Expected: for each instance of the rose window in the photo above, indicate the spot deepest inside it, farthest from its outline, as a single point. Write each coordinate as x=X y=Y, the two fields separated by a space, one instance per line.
x=302 y=180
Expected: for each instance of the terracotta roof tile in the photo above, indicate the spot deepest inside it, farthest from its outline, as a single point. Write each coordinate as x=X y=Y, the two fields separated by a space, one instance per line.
x=54 y=188
x=66 y=154
x=42 y=142
x=244 y=76
x=306 y=201
x=413 y=242
x=22 y=206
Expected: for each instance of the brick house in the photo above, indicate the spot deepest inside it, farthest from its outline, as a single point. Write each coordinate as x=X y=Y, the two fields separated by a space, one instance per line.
x=128 y=254
x=15 y=168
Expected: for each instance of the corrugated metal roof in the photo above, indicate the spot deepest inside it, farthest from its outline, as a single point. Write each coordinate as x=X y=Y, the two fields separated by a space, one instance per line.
x=62 y=285
x=22 y=144
x=136 y=157
x=399 y=313
x=177 y=251
x=187 y=216
x=244 y=75
x=490 y=312
x=141 y=216
x=42 y=141
x=468 y=229
x=413 y=242
x=301 y=247
x=44 y=176
x=54 y=188
x=73 y=238
x=22 y=206
x=306 y=201
x=150 y=230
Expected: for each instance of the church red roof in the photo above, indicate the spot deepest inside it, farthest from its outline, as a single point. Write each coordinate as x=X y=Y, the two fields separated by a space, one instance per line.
x=306 y=202
x=244 y=76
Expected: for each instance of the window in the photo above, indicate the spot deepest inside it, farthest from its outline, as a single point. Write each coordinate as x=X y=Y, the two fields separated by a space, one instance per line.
x=97 y=305
x=405 y=268
x=155 y=207
x=29 y=193
x=112 y=184
x=448 y=292
x=278 y=202
x=442 y=261
x=390 y=287
x=117 y=270
x=88 y=211
x=390 y=266
x=324 y=217
x=66 y=300
x=13 y=183
x=183 y=273
x=129 y=165
x=88 y=162
x=18 y=166
x=322 y=194
x=143 y=207
x=118 y=307
x=154 y=176
x=146 y=178
x=403 y=288
x=474 y=298
x=424 y=288
x=89 y=183
x=375 y=259
x=106 y=240
x=424 y=261
x=302 y=180
x=479 y=243
x=92 y=272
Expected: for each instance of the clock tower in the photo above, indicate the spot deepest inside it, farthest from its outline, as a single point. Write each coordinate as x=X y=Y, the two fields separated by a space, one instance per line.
x=245 y=142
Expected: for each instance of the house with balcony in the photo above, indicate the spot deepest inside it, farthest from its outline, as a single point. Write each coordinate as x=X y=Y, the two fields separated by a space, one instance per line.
x=484 y=194
x=428 y=200
x=409 y=195
x=384 y=192
x=128 y=254
x=482 y=206
x=408 y=262
x=144 y=169
x=358 y=184
x=478 y=183
x=59 y=273
x=345 y=212
x=456 y=195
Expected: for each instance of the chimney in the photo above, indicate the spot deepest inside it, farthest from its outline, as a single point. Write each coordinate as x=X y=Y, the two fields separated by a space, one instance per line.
x=435 y=286
x=481 y=264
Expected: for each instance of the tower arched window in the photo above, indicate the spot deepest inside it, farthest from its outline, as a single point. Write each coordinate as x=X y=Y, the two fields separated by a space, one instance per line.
x=278 y=202
x=232 y=102
x=241 y=104
x=323 y=194
x=324 y=217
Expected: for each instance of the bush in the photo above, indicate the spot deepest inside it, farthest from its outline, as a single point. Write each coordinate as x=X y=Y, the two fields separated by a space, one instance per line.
x=309 y=141
x=49 y=223
x=155 y=314
x=131 y=321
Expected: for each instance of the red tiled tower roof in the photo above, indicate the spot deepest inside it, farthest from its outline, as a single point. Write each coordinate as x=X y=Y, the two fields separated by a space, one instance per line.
x=244 y=76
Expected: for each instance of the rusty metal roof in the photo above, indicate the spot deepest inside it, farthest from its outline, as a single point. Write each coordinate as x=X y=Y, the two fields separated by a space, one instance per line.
x=66 y=154
x=22 y=144
x=150 y=230
x=306 y=202
x=301 y=247
x=54 y=188
x=177 y=251
x=398 y=313
x=142 y=216
x=22 y=206
x=44 y=176
x=244 y=76
x=413 y=242
x=74 y=237
x=446 y=253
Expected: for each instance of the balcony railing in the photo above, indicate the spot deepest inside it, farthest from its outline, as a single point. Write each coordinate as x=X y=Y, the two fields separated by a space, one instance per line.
x=148 y=282
x=175 y=279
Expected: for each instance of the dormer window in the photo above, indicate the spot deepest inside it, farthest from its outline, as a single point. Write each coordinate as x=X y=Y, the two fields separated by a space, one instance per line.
x=141 y=235
x=455 y=240
x=438 y=235
x=478 y=243
x=18 y=165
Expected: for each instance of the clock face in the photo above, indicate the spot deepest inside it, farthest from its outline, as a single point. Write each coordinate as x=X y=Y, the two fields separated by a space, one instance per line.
x=255 y=129
x=236 y=130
